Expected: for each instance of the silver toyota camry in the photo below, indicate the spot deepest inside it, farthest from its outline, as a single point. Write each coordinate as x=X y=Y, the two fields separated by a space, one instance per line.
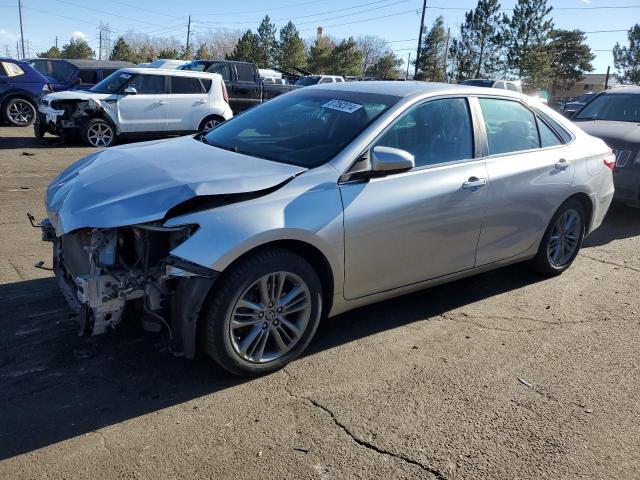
x=241 y=239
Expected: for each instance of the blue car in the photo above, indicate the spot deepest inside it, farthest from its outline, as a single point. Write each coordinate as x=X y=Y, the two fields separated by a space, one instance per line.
x=20 y=87
x=71 y=74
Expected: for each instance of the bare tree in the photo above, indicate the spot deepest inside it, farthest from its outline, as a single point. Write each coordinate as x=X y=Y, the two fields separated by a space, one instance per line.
x=219 y=43
x=373 y=48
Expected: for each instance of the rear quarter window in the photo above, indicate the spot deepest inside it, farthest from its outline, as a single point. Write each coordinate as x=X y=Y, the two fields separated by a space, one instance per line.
x=11 y=69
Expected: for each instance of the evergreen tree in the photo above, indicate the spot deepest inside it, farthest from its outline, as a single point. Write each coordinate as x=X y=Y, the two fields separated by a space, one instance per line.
x=247 y=49
x=525 y=34
x=122 y=51
x=462 y=57
x=570 y=57
x=291 y=51
x=267 y=44
x=186 y=53
x=203 y=52
x=346 y=58
x=77 y=48
x=481 y=35
x=432 y=54
x=53 y=52
x=168 y=53
x=627 y=59
x=386 y=68
x=319 y=60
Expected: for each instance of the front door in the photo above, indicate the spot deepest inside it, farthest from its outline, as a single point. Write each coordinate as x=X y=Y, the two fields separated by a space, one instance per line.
x=144 y=111
x=530 y=170
x=409 y=227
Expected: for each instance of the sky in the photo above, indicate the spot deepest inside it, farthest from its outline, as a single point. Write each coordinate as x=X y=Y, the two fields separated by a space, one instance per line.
x=395 y=20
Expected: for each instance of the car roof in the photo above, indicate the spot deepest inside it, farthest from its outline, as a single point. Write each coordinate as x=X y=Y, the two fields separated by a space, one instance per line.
x=404 y=89
x=168 y=71
x=87 y=63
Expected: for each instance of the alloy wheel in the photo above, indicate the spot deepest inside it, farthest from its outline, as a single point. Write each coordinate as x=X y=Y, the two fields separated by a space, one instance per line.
x=210 y=124
x=565 y=238
x=21 y=113
x=270 y=317
x=100 y=135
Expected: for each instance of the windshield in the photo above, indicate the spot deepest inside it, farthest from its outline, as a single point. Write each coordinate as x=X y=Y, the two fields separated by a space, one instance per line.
x=478 y=83
x=305 y=128
x=306 y=81
x=617 y=107
x=197 y=66
x=112 y=83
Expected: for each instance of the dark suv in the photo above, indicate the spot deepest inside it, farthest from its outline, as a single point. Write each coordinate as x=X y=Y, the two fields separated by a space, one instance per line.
x=20 y=87
x=67 y=74
x=614 y=116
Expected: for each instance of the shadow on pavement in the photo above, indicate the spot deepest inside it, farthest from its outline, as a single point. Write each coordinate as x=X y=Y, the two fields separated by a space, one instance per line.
x=621 y=222
x=56 y=385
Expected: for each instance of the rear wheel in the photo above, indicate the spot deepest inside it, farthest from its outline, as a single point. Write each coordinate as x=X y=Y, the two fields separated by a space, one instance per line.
x=19 y=112
x=263 y=313
x=562 y=239
x=210 y=122
x=99 y=133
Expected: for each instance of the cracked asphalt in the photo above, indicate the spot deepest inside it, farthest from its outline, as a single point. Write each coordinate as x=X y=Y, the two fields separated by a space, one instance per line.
x=506 y=375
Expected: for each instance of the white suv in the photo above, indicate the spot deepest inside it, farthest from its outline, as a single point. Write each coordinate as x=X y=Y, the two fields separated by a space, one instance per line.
x=136 y=102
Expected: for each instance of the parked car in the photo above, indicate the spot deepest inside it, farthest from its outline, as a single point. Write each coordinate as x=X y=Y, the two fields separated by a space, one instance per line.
x=246 y=88
x=315 y=203
x=513 y=85
x=20 y=87
x=614 y=116
x=136 y=102
x=571 y=107
x=66 y=74
x=318 y=79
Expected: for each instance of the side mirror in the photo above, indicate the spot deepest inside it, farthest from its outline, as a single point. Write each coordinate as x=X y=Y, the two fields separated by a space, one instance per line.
x=388 y=159
x=130 y=91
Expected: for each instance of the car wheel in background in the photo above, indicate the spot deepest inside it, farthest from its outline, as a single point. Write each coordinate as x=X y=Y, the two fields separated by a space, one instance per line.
x=210 y=122
x=263 y=312
x=19 y=112
x=98 y=132
x=562 y=239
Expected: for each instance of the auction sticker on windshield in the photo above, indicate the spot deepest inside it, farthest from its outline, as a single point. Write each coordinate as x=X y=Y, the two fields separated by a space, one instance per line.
x=342 y=106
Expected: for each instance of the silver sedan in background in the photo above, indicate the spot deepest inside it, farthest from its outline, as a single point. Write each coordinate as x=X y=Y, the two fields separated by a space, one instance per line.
x=242 y=238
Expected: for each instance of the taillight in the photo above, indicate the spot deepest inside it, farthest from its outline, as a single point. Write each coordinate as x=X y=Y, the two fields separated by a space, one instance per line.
x=224 y=92
x=610 y=160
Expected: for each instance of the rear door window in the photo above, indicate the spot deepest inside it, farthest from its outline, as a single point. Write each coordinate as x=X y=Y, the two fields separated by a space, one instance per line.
x=88 y=76
x=185 y=85
x=245 y=72
x=510 y=126
x=148 y=84
x=221 y=69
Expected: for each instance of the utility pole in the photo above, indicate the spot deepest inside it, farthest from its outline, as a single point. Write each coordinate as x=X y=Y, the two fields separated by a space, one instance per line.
x=56 y=41
x=406 y=75
x=100 y=45
x=446 y=54
x=606 y=80
x=188 y=34
x=21 y=31
x=424 y=7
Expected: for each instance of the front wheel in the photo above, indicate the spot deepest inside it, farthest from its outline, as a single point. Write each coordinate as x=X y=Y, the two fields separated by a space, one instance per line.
x=19 y=112
x=99 y=133
x=263 y=313
x=562 y=239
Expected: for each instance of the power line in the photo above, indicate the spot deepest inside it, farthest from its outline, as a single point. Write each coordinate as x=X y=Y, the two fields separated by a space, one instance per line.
x=413 y=10
x=312 y=2
x=109 y=13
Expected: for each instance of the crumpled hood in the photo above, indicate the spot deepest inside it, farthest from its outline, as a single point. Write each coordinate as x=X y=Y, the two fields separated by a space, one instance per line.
x=76 y=95
x=140 y=182
x=615 y=134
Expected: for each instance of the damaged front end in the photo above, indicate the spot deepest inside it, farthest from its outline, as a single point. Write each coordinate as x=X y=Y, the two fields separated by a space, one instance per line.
x=107 y=274
x=65 y=117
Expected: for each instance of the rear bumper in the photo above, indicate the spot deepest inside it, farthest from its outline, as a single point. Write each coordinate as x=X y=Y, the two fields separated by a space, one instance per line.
x=627 y=183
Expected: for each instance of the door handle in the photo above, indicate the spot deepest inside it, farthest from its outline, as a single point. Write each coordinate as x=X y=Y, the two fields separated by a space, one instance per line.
x=563 y=163
x=202 y=100
x=473 y=183
x=161 y=102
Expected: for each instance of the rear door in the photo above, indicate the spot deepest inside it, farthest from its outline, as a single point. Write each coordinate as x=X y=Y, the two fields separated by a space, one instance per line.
x=187 y=103
x=408 y=227
x=144 y=111
x=530 y=170
x=246 y=87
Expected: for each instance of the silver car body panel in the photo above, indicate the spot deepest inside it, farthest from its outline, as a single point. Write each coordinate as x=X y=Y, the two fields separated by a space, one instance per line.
x=382 y=237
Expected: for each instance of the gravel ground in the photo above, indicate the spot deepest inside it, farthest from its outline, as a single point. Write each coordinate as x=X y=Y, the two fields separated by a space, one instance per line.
x=505 y=375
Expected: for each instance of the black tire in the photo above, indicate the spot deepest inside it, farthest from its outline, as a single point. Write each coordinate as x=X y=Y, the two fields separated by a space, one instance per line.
x=19 y=112
x=39 y=129
x=99 y=132
x=221 y=343
x=543 y=261
x=211 y=118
